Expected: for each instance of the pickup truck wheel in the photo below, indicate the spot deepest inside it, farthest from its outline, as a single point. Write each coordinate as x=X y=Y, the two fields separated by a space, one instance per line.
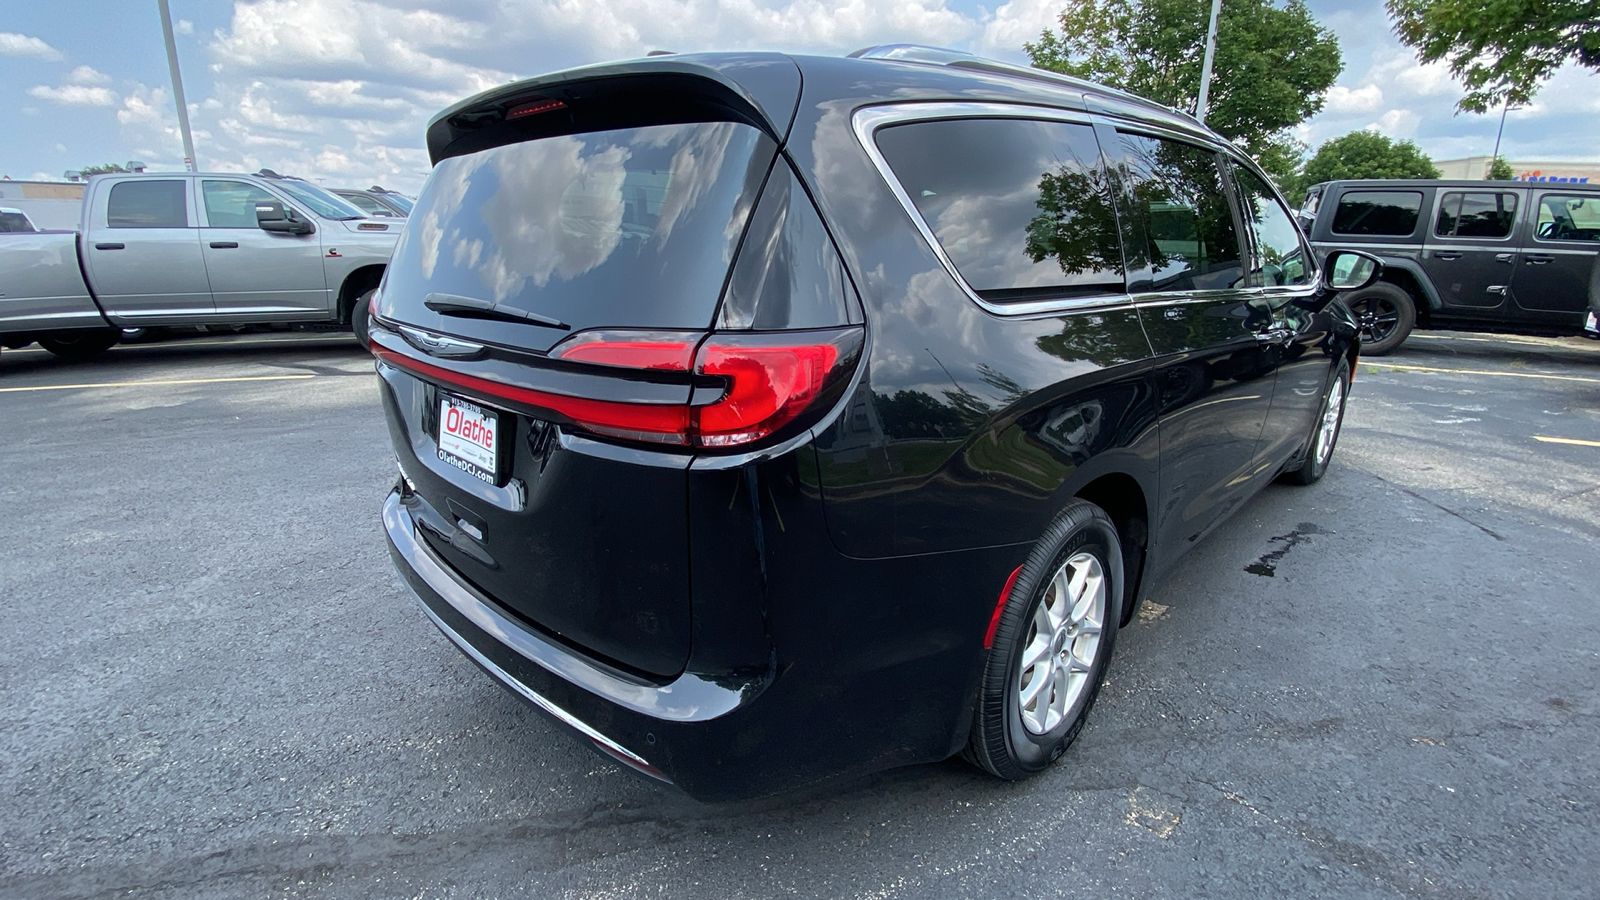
x=361 y=316
x=80 y=345
x=1385 y=313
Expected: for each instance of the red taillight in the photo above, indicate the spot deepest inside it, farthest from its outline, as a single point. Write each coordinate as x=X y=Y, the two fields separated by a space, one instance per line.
x=670 y=350
x=770 y=383
x=652 y=423
x=767 y=381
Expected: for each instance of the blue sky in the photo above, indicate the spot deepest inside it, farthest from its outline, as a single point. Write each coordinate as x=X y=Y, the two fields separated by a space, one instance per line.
x=339 y=90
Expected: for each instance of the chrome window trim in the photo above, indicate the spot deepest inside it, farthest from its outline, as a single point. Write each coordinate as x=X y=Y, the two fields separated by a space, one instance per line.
x=868 y=120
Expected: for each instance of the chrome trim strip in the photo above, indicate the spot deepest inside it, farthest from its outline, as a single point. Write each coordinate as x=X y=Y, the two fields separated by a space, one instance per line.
x=868 y=120
x=691 y=698
x=561 y=715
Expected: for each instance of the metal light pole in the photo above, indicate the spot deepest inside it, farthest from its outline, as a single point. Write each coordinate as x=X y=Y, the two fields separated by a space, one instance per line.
x=177 y=88
x=1205 y=71
x=1501 y=130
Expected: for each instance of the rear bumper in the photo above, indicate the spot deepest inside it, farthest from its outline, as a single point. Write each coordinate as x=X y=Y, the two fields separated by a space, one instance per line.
x=873 y=676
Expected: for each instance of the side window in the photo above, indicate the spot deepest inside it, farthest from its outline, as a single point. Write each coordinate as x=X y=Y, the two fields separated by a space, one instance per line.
x=1476 y=214
x=1022 y=207
x=1279 y=257
x=232 y=204
x=1565 y=217
x=147 y=204
x=1181 y=231
x=367 y=205
x=1387 y=213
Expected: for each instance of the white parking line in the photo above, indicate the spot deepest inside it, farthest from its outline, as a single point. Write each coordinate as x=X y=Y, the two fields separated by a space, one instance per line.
x=123 y=384
x=169 y=345
x=1380 y=367
x=1574 y=441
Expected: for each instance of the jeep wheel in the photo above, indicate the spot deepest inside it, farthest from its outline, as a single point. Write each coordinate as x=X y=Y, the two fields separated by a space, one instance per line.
x=1385 y=313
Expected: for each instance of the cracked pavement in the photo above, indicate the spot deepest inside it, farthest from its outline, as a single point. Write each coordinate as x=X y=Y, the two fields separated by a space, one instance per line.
x=213 y=685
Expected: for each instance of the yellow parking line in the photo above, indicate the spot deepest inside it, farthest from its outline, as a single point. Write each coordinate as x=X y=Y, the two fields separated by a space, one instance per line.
x=122 y=384
x=1574 y=441
x=1378 y=367
x=1501 y=340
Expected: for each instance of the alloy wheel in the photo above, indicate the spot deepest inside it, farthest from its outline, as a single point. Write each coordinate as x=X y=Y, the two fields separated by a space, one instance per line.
x=1376 y=317
x=1063 y=642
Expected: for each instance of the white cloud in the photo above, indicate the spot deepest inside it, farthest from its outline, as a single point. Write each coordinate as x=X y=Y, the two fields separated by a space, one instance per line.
x=1366 y=98
x=183 y=26
x=1014 y=24
x=88 y=75
x=23 y=45
x=1397 y=123
x=74 y=94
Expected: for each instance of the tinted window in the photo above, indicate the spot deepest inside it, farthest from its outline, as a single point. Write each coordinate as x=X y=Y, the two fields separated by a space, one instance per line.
x=320 y=201
x=788 y=274
x=232 y=204
x=10 y=221
x=634 y=227
x=1181 y=226
x=1476 y=214
x=367 y=205
x=1566 y=217
x=1280 y=258
x=1391 y=213
x=1022 y=207
x=147 y=204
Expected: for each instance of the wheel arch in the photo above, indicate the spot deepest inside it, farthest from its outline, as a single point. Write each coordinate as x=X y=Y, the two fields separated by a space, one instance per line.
x=1125 y=500
x=358 y=282
x=1406 y=275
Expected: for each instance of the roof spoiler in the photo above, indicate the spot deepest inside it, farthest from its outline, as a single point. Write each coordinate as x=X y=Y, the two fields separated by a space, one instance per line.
x=761 y=90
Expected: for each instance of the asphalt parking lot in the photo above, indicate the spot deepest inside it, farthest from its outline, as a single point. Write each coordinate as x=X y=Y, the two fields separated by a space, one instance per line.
x=213 y=685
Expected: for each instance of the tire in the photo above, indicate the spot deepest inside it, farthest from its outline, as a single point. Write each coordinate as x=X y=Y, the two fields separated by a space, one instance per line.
x=1324 y=431
x=361 y=317
x=80 y=344
x=1385 y=313
x=1013 y=737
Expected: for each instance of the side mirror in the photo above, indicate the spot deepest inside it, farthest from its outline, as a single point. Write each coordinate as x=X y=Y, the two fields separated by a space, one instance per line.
x=271 y=216
x=1350 y=270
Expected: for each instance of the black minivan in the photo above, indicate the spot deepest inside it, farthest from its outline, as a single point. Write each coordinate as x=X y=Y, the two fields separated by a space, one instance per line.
x=768 y=419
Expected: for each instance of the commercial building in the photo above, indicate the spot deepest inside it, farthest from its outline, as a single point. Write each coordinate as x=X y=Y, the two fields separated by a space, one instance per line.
x=50 y=204
x=1476 y=167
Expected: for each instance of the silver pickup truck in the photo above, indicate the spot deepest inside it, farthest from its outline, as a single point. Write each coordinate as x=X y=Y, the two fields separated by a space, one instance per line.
x=191 y=249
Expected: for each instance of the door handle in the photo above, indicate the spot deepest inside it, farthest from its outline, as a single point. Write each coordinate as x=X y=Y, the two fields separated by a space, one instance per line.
x=1496 y=289
x=109 y=245
x=1539 y=259
x=224 y=245
x=1502 y=257
x=1446 y=254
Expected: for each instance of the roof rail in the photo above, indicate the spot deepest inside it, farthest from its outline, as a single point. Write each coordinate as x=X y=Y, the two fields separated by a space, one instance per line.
x=960 y=59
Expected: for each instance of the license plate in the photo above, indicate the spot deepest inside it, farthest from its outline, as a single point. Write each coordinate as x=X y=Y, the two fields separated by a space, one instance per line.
x=467 y=437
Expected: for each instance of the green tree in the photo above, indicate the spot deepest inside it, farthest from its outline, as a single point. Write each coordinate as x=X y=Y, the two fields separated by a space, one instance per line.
x=1502 y=50
x=1367 y=154
x=1500 y=170
x=102 y=169
x=1273 y=65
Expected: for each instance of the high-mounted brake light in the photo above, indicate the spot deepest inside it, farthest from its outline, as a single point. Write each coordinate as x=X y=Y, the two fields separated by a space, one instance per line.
x=534 y=108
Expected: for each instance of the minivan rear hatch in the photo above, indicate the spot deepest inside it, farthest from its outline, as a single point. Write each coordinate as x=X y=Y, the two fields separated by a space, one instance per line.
x=611 y=205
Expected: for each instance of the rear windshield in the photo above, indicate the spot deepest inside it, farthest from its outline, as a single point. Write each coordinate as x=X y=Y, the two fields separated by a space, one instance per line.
x=1389 y=213
x=630 y=228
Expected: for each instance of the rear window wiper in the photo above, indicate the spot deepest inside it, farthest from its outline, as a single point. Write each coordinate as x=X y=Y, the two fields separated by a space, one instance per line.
x=474 y=308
